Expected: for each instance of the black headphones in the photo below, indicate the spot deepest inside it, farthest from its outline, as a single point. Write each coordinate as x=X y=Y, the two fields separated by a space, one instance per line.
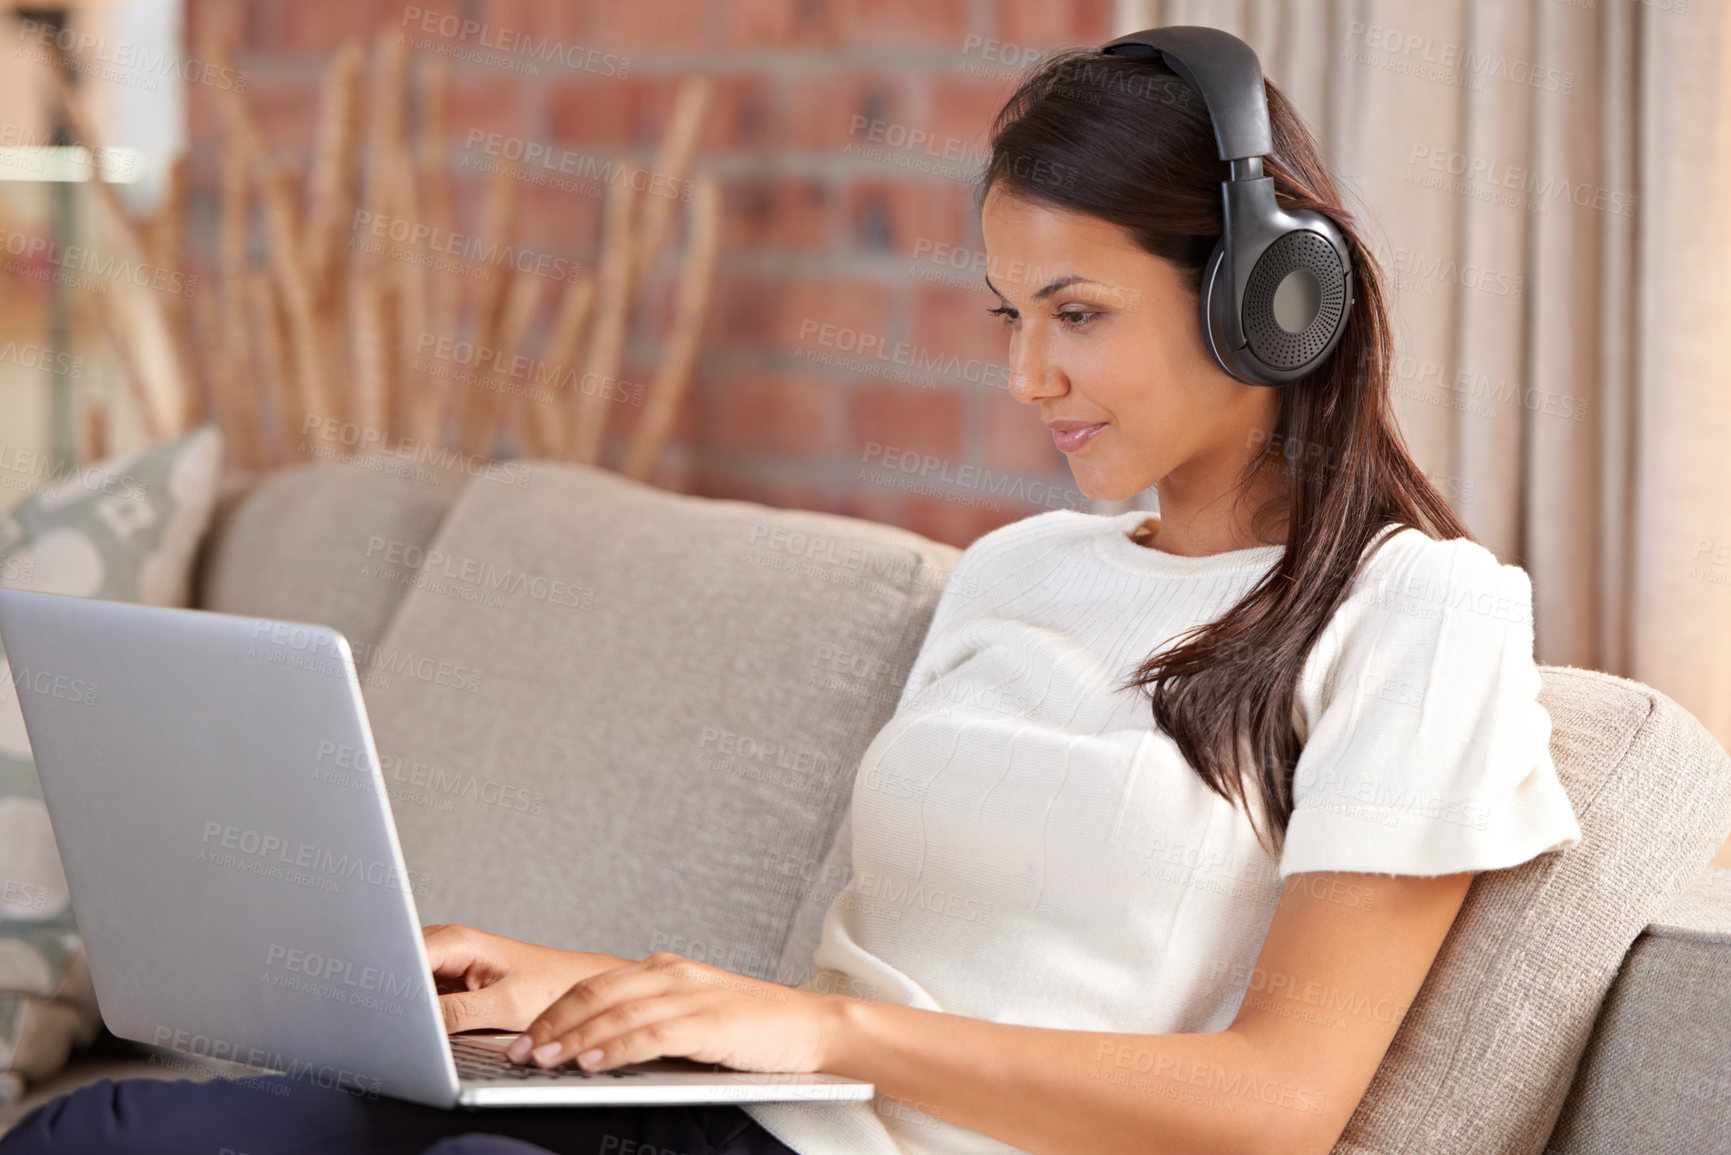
x=1277 y=290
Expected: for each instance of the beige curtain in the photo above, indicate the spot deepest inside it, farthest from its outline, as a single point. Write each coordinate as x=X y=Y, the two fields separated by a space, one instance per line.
x=1548 y=184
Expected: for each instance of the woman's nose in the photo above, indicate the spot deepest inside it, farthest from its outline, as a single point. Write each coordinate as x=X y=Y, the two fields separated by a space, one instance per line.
x=1030 y=373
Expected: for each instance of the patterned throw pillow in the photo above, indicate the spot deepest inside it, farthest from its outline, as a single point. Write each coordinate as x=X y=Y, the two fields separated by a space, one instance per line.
x=125 y=529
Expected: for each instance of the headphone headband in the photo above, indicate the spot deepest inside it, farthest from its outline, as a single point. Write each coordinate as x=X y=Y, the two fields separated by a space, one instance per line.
x=1223 y=69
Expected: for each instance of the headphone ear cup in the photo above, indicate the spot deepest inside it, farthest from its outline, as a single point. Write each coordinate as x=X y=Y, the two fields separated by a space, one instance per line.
x=1290 y=326
x=1296 y=301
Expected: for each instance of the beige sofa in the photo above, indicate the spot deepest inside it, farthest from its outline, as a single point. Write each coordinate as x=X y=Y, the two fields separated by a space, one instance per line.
x=619 y=719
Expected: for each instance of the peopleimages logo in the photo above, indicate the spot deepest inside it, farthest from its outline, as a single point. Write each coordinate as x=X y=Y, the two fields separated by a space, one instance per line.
x=32 y=356
x=426 y=241
x=1480 y=65
x=967 y=476
x=273 y=852
x=509 y=42
x=1491 y=179
x=323 y=1075
x=586 y=166
x=87 y=49
x=79 y=259
x=329 y=969
x=113 y=163
x=49 y=684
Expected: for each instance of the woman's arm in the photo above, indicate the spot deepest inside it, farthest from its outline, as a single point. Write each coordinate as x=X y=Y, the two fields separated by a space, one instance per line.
x=1344 y=957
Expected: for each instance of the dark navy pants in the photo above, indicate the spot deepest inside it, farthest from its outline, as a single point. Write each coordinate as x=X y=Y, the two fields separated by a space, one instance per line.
x=283 y=1115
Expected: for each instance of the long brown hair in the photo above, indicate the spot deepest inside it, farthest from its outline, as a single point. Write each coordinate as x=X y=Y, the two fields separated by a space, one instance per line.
x=1126 y=140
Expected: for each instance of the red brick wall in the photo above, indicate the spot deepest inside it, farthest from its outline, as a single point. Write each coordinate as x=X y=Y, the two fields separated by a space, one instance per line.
x=831 y=237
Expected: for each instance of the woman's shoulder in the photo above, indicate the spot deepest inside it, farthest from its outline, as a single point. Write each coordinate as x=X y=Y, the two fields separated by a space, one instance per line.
x=1422 y=601
x=1425 y=744
x=1440 y=579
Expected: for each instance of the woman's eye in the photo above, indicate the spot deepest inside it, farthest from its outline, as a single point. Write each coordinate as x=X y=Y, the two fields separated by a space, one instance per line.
x=1074 y=319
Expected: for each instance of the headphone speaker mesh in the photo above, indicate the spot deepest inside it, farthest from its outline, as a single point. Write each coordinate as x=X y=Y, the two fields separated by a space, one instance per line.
x=1273 y=344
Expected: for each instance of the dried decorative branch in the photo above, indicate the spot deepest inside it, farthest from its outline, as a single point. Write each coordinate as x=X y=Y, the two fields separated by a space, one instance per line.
x=607 y=344
x=544 y=433
x=679 y=356
x=233 y=400
x=480 y=406
x=630 y=244
x=332 y=186
x=521 y=305
x=227 y=345
x=274 y=372
x=672 y=168
x=165 y=246
x=432 y=301
x=374 y=348
x=318 y=394
x=93 y=433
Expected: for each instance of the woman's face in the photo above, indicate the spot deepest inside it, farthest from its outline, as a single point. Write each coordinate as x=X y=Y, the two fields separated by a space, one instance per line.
x=1105 y=334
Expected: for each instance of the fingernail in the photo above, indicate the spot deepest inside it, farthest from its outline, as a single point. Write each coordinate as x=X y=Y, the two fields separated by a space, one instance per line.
x=518 y=1051
x=544 y=1054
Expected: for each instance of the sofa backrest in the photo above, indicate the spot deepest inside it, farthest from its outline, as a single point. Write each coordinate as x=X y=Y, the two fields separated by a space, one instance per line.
x=610 y=717
x=300 y=543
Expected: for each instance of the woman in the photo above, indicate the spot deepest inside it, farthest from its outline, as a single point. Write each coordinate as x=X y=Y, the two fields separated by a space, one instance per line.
x=1069 y=930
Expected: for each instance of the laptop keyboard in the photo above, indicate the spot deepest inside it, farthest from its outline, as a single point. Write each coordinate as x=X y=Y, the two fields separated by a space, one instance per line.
x=487 y=1062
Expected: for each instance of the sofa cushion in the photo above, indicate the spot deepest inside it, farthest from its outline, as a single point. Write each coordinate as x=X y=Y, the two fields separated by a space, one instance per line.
x=123 y=529
x=324 y=541
x=1488 y=1050
x=639 y=713
x=1656 y=1077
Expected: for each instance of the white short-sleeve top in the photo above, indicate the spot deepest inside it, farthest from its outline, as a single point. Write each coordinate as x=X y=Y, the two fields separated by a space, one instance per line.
x=1029 y=848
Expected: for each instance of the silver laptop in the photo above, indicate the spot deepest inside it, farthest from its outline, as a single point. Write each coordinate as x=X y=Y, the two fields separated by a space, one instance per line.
x=237 y=907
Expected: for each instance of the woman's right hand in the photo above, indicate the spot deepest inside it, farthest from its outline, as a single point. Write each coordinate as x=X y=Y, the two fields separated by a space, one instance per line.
x=493 y=982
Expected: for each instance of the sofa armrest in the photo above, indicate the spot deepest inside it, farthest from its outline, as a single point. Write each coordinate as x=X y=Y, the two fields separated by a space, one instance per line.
x=1656 y=1074
x=1701 y=912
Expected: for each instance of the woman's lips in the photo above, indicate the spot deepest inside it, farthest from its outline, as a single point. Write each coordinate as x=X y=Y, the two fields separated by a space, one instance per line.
x=1069 y=442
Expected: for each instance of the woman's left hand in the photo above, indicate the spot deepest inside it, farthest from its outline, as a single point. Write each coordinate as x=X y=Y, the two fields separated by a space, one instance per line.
x=666 y=1006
